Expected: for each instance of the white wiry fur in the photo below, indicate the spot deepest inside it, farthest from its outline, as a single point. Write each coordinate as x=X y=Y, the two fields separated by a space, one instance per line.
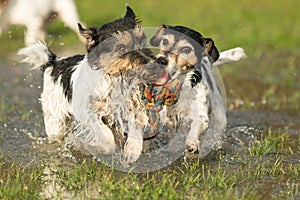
x=88 y=85
x=127 y=106
x=86 y=88
x=120 y=103
x=192 y=107
x=36 y=54
x=34 y=15
x=201 y=106
x=55 y=105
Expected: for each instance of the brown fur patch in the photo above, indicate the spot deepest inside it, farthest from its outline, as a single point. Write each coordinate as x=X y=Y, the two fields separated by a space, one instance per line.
x=124 y=38
x=138 y=31
x=117 y=66
x=184 y=61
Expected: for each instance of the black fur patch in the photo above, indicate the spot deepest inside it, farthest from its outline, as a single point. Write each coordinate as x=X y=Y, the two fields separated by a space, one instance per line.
x=196 y=78
x=190 y=33
x=65 y=69
x=162 y=60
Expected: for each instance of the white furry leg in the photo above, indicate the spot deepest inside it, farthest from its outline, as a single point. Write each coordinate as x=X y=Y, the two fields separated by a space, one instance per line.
x=55 y=128
x=164 y=119
x=97 y=134
x=199 y=126
x=198 y=115
x=70 y=18
x=56 y=108
x=107 y=142
x=134 y=145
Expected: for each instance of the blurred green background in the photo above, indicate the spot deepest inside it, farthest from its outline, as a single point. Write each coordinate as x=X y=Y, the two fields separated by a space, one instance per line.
x=258 y=26
x=268 y=30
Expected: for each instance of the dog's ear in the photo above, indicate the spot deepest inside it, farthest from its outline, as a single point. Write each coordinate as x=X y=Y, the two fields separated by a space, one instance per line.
x=211 y=49
x=156 y=39
x=165 y=26
x=89 y=34
x=129 y=13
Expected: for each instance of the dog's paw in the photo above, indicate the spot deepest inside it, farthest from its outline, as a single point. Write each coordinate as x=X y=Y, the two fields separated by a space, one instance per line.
x=103 y=145
x=192 y=146
x=107 y=141
x=132 y=151
x=102 y=139
x=106 y=149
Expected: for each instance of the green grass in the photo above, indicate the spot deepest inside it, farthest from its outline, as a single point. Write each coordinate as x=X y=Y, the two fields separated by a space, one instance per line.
x=19 y=182
x=249 y=175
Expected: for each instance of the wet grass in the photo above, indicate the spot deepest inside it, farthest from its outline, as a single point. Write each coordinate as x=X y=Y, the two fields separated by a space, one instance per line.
x=259 y=172
x=19 y=182
x=267 y=81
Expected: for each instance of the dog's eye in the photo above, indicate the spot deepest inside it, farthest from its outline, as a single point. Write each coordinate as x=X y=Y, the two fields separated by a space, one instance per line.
x=122 y=49
x=165 y=42
x=186 y=50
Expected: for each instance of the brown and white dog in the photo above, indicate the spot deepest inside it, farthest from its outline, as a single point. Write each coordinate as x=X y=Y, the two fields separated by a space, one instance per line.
x=190 y=58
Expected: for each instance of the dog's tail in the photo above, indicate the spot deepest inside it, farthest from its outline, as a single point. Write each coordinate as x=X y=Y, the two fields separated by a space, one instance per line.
x=38 y=55
x=230 y=55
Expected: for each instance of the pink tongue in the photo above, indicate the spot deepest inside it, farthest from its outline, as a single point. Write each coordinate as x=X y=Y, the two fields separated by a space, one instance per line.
x=163 y=79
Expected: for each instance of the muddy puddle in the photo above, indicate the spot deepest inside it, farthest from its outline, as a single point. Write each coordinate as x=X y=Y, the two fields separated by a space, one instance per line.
x=21 y=117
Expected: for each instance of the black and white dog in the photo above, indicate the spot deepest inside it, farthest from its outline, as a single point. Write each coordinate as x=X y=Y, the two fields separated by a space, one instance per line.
x=191 y=55
x=100 y=88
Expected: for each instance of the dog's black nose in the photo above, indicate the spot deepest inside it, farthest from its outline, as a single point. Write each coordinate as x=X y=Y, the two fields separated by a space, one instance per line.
x=162 y=60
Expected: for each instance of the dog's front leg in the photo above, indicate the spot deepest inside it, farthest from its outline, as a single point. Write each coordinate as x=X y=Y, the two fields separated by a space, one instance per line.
x=100 y=135
x=106 y=141
x=198 y=126
x=134 y=144
x=199 y=116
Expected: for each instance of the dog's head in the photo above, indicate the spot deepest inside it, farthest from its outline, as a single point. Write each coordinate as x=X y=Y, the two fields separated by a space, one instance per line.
x=183 y=47
x=118 y=46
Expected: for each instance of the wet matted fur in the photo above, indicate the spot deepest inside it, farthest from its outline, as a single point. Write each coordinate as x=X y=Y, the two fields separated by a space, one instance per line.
x=101 y=89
